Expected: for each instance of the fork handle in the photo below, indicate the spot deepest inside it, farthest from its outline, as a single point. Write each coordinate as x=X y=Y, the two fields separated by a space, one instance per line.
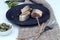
x=38 y=22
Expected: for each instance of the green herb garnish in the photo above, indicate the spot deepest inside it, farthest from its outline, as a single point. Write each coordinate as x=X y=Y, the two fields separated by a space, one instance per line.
x=12 y=4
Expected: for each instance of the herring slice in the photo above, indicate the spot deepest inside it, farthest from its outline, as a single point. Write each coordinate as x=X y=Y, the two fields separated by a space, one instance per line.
x=36 y=11
x=26 y=8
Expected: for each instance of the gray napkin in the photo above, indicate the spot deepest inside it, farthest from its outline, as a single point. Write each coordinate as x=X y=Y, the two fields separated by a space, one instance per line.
x=53 y=34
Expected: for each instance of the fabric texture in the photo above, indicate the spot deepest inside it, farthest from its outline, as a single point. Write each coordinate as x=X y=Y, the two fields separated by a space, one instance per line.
x=53 y=34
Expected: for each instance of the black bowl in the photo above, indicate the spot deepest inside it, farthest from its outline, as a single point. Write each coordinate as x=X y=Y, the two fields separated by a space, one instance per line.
x=13 y=15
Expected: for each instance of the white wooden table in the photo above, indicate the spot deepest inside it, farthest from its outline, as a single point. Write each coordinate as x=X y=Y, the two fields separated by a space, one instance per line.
x=55 y=4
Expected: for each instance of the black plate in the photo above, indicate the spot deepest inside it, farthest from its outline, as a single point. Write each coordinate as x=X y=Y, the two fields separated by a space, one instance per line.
x=13 y=15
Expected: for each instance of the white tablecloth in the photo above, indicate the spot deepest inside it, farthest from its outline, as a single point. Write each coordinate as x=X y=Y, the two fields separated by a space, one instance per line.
x=55 y=4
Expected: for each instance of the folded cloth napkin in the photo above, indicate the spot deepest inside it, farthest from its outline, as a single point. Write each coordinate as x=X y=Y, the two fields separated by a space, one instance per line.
x=53 y=34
